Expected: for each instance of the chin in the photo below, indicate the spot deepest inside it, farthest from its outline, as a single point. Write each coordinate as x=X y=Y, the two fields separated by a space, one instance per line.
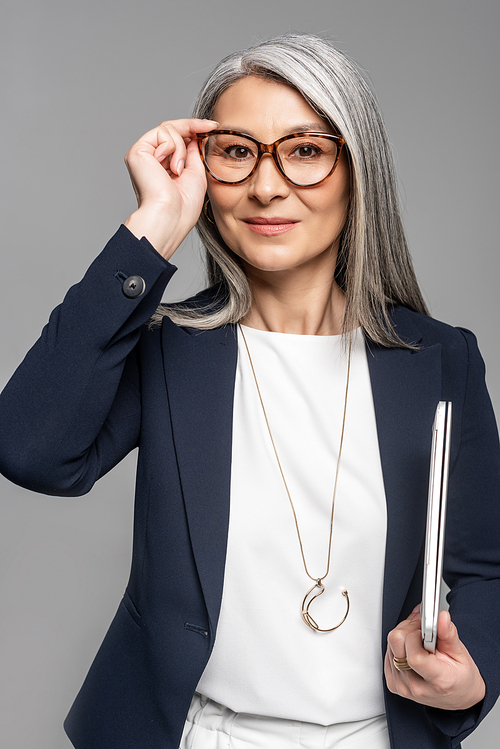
x=271 y=264
x=275 y=259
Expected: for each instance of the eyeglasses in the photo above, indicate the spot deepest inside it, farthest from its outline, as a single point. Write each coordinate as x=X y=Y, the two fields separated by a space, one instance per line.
x=304 y=159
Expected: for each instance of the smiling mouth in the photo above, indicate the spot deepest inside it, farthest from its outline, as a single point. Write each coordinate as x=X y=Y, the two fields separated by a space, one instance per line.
x=270 y=226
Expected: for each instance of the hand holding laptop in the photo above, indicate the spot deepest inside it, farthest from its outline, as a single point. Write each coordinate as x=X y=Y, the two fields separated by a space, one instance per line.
x=425 y=659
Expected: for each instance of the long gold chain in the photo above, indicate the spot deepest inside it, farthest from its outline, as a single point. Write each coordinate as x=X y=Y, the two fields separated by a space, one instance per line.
x=318 y=581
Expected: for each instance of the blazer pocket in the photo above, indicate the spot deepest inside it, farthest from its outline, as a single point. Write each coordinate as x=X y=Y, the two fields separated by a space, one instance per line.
x=132 y=609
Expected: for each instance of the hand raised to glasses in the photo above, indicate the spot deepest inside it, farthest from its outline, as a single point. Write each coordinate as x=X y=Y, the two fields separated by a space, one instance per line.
x=448 y=679
x=169 y=181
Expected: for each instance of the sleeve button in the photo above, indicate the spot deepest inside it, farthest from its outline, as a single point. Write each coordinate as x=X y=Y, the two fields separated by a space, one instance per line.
x=133 y=286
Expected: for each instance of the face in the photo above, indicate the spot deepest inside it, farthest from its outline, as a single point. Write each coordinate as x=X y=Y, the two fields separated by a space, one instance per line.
x=310 y=219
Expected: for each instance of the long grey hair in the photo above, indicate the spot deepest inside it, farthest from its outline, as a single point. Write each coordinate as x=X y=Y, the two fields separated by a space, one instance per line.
x=374 y=267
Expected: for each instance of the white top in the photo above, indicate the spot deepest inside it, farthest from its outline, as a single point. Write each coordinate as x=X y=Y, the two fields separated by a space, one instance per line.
x=266 y=660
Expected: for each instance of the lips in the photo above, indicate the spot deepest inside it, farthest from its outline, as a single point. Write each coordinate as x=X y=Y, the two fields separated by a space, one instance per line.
x=270 y=226
x=273 y=221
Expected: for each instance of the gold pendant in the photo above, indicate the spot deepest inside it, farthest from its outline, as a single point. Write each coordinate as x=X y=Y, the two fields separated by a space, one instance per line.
x=306 y=616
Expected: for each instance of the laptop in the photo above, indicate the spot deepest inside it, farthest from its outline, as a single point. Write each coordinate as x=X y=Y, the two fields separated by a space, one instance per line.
x=436 y=516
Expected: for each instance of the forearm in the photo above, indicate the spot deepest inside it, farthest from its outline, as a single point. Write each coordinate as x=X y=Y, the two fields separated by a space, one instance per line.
x=53 y=431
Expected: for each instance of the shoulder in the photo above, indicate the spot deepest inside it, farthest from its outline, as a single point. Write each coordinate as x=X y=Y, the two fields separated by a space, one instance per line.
x=461 y=361
x=462 y=366
x=427 y=331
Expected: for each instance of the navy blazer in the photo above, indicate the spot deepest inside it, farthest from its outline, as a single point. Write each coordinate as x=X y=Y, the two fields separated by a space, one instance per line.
x=98 y=383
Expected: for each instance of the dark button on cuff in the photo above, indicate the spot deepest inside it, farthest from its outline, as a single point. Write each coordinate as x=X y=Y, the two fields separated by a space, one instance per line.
x=134 y=286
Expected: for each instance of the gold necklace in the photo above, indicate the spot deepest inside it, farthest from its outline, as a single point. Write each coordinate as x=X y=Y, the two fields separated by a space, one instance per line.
x=318 y=588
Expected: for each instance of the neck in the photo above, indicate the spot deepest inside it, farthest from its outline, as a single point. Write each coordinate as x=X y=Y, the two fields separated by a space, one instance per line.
x=295 y=302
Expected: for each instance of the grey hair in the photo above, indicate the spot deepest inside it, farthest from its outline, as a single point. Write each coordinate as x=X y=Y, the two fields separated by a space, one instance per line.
x=374 y=267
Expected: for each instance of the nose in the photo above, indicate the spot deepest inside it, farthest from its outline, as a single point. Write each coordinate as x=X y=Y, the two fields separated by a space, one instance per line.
x=267 y=182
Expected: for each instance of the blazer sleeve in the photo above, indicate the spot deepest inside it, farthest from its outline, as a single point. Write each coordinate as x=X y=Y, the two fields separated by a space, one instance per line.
x=472 y=545
x=71 y=411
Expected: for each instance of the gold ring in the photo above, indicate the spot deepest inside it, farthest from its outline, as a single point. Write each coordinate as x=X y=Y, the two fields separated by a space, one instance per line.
x=401 y=664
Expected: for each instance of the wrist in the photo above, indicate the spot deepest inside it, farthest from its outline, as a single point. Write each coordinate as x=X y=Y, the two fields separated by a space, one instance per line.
x=156 y=224
x=479 y=692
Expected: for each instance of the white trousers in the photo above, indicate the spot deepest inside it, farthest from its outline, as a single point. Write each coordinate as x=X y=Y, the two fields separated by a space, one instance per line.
x=213 y=726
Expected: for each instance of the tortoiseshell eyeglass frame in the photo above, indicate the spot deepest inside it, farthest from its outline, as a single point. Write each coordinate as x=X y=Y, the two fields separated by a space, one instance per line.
x=272 y=149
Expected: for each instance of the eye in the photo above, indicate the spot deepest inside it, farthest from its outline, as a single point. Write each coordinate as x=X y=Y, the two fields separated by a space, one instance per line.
x=238 y=152
x=306 y=151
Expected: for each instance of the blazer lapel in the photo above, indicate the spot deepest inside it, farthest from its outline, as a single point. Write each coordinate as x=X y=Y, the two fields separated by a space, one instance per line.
x=200 y=375
x=406 y=387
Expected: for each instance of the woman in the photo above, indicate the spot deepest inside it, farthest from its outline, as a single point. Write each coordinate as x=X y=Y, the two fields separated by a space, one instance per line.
x=299 y=388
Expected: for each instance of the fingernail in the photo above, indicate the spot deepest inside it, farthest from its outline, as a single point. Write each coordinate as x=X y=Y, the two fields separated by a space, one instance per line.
x=417 y=608
x=414 y=617
x=212 y=122
x=180 y=167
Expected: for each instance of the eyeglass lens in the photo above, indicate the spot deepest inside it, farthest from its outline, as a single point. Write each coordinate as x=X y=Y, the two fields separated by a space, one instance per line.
x=305 y=159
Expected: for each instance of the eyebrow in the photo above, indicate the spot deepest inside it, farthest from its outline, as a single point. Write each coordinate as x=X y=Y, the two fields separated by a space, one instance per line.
x=316 y=126
x=319 y=127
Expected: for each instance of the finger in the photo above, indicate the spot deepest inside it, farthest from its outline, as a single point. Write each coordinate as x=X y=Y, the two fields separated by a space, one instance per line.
x=398 y=682
x=179 y=132
x=171 y=143
x=193 y=181
x=449 y=648
x=193 y=159
x=389 y=670
x=422 y=662
x=186 y=128
x=448 y=641
x=189 y=127
x=397 y=637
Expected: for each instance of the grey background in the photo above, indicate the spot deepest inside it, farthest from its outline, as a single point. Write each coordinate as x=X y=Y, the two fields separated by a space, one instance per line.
x=81 y=81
